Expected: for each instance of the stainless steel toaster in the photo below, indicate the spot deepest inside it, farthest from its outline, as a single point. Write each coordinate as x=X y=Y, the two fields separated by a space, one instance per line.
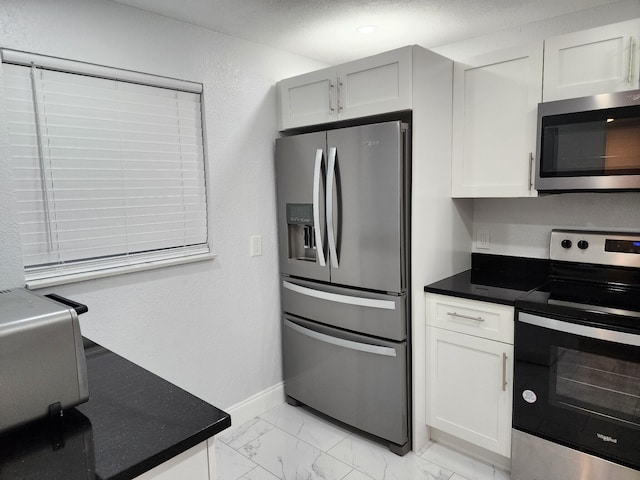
x=42 y=364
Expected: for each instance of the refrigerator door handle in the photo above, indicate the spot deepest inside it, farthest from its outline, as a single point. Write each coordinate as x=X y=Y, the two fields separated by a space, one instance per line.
x=336 y=297
x=350 y=344
x=331 y=170
x=317 y=171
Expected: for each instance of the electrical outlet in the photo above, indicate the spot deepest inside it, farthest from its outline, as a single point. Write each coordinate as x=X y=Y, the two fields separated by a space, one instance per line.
x=256 y=245
x=483 y=239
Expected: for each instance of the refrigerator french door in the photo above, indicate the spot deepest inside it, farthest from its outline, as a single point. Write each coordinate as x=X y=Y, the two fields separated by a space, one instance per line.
x=343 y=230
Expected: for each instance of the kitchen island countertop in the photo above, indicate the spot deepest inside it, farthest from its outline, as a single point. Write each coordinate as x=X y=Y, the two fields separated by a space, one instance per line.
x=133 y=421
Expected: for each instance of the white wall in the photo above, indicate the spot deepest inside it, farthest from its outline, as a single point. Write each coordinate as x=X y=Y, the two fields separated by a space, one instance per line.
x=522 y=227
x=210 y=327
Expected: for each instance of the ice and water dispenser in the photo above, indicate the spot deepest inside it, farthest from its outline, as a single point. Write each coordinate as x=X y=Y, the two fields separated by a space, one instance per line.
x=302 y=240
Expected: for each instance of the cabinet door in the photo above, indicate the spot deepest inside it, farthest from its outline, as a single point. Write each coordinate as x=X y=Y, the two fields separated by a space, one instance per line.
x=495 y=100
x=192 y=464
x=469 y=385
x=308 y=99
x=598 y=60
x=377 y=84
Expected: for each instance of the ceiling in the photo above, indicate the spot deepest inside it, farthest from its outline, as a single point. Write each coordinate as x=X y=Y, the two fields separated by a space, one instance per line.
x=325 y=30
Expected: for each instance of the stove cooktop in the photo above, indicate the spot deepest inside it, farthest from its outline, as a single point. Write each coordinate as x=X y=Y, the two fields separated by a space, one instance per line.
x=602 y=289
x=597 y=305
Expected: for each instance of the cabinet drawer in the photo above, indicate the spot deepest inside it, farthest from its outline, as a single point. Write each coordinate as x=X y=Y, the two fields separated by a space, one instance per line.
x=472 y=317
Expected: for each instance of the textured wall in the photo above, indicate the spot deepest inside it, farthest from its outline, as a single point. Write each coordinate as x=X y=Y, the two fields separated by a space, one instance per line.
x=210 y=327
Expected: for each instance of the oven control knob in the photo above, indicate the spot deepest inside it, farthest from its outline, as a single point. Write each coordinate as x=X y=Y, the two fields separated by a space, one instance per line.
x=583 y=244
x=566 y=244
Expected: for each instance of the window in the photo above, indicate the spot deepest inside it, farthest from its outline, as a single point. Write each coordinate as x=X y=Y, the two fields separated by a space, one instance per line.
x=109 y=168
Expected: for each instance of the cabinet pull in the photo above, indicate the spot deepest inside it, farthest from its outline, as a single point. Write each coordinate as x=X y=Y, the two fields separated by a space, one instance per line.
x=331 y=87
x=339 y=95
x=504 y=372
x=530 y=170
x=630 y=73
x=458 y=315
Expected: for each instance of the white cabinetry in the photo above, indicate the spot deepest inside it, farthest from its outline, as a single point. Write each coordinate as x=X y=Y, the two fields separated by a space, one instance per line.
x=495 y=100
x=192 y=464
x=470 y=370
x=372 y=85
x=598 y=60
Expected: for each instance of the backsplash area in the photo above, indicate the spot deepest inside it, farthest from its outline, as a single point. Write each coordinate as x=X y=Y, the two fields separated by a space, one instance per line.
x=522 y=226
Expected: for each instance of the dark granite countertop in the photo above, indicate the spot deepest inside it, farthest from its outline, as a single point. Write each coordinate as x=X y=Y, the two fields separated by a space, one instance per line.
x=133 y=421
x=494 y=278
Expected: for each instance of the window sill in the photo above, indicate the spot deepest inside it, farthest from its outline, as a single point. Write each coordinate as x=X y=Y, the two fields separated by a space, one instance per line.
x=63 y=279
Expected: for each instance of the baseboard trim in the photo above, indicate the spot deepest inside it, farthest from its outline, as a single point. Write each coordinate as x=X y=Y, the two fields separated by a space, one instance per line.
x=257 y=404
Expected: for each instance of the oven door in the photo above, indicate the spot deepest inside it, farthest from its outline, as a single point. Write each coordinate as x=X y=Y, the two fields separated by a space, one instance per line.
x=578 y=385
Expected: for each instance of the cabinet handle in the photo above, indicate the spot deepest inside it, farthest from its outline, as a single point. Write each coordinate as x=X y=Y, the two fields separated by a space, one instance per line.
x=339 y=95
x=530 y=170
x=504 y=372
x=458 y=315
x=331 y=87
x=630 y=73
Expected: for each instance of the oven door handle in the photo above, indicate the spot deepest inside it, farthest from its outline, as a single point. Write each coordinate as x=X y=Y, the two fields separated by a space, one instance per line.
x=582 y=330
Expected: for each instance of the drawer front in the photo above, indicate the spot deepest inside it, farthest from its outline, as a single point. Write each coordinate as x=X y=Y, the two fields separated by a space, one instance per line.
x=364 y=312
x=358 y=380
x=481 y=319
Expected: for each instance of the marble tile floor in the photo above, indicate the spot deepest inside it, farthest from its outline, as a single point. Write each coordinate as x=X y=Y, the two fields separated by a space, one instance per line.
x=290 y=443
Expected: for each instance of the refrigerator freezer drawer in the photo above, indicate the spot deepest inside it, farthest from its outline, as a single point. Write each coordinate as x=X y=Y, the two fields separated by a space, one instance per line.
x=370 y=313
x=355 y=379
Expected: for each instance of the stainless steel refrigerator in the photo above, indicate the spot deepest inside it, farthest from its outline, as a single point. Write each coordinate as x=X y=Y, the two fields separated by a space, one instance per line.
x=343 y=226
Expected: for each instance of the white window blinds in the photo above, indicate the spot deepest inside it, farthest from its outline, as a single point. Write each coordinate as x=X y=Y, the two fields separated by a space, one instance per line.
x=108 y=173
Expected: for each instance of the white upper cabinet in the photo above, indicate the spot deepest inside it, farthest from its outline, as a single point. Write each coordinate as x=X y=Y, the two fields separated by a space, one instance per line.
x=372 y=85
x=599 y=60
x=308 y=99
x=377 y=84
x=495 y=100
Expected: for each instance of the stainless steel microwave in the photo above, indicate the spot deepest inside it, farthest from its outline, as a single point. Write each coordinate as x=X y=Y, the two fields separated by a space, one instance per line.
x=589 y=143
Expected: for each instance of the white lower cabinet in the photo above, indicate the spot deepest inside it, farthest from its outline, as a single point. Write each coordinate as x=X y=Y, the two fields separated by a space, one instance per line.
x=192 y=464
x=469 y=375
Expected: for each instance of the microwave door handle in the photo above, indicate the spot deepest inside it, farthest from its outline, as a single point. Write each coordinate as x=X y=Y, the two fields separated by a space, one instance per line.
x=317 y=171
x=331 y=170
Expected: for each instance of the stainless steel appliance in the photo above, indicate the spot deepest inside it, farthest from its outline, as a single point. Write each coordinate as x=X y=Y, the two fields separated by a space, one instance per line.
x=576 y=405
x=343 y=230
x=42 y=357
x=589 y=143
